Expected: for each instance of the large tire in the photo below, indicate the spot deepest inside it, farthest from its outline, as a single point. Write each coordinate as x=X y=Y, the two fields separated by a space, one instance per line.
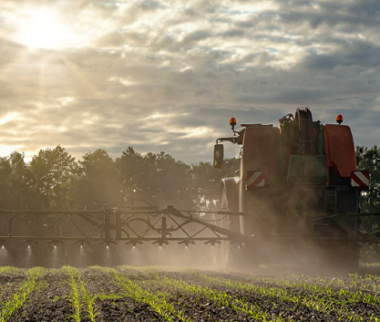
x=232 y=255
x=229 y=202
x=344 y=255
x=221 y=250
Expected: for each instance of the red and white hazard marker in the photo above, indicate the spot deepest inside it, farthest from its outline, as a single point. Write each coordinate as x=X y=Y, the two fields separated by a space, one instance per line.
x=255 y=179
x=360 y=179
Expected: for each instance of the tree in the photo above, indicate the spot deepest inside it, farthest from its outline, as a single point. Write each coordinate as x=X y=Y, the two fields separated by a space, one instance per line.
x=52 y=172
x=161 y=180
x=97 y=181
x=369 y=159
x=54 y=180
x=15 y=192
x=207 y=182
x=173 y=183
x=131 y=168
x=156 y=178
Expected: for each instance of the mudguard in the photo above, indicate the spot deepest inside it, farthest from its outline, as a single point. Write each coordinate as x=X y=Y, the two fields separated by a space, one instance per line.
x=230 y=188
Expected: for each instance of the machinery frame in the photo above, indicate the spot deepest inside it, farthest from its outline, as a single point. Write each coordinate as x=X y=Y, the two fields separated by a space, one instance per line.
x=135 y=226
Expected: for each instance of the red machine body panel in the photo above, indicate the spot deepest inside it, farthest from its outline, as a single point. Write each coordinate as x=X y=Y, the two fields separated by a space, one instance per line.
x=340 y=149
x=260 y=153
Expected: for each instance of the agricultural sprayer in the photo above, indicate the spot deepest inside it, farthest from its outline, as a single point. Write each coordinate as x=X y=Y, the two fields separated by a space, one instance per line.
x=296 y=193
x=299 y=186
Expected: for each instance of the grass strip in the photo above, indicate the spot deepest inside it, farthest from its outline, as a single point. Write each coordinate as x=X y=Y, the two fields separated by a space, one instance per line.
x=156 y=300
x=9 y=308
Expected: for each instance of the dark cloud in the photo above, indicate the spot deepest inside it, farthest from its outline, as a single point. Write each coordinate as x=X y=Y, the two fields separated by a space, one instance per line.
x=151 y=5
x=196 y=36
x=232 y=33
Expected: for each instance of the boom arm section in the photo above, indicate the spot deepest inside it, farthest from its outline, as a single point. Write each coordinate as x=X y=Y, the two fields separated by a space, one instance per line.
x=112 y=225
x=131 y=226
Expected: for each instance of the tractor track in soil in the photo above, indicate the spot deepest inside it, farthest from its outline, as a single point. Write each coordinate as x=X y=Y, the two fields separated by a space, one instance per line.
x=49 y=301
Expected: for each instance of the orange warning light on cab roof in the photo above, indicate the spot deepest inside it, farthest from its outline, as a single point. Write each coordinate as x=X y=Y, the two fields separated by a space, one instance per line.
x=232 y=121
x=339 y=119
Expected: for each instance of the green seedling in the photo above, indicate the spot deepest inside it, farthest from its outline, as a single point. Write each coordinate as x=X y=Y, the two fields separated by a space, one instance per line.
x=89 y=301
x=30 y=284
x=156 y=300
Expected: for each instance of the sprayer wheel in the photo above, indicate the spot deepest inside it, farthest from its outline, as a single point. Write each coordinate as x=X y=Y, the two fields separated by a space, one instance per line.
x=349 y=255
x=341 y=256
x=222 y=249
x=229 y=254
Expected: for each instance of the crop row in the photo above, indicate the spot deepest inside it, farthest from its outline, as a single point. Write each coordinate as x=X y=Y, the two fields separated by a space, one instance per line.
x=21 y=295
x=187 y=295
x=320 y=299
x=315 y=297
x=332 y=289
x=350 y=282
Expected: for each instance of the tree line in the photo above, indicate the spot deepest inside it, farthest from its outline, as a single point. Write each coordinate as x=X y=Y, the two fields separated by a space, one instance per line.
x=369 y=159
x=53 y=180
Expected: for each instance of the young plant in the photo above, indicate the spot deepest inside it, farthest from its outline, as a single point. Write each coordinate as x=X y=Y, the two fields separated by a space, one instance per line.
x=9 y=308
x=156 y=300
x=75 y=300
x=89 y=302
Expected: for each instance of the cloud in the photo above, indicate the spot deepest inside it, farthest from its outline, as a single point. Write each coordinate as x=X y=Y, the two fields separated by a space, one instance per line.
x=168 y=75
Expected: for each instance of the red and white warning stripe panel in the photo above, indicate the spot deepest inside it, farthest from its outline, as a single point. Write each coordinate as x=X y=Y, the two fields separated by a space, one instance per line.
x=360 y=179
x=255 y=179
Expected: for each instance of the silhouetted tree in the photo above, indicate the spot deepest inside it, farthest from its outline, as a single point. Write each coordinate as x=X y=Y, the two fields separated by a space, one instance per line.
x=369 y=159
x=97 y=182
x=15 y=177
x=52 y=178
x=207 y=181
x=156 y=178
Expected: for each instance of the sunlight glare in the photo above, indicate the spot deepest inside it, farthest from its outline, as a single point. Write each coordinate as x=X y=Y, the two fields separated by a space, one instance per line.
x=42 y=29
x=9 y=117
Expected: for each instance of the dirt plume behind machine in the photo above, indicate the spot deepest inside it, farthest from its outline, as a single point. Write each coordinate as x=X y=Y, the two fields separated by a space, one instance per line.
x=295 y=199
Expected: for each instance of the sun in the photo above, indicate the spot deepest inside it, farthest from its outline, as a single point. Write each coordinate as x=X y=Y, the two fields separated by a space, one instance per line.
x=43 y=29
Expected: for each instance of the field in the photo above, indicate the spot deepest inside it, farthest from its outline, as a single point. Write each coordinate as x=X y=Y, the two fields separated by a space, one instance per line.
x=130 y=293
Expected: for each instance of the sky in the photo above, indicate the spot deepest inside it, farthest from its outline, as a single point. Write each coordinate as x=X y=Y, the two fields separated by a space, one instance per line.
x=168 y=75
